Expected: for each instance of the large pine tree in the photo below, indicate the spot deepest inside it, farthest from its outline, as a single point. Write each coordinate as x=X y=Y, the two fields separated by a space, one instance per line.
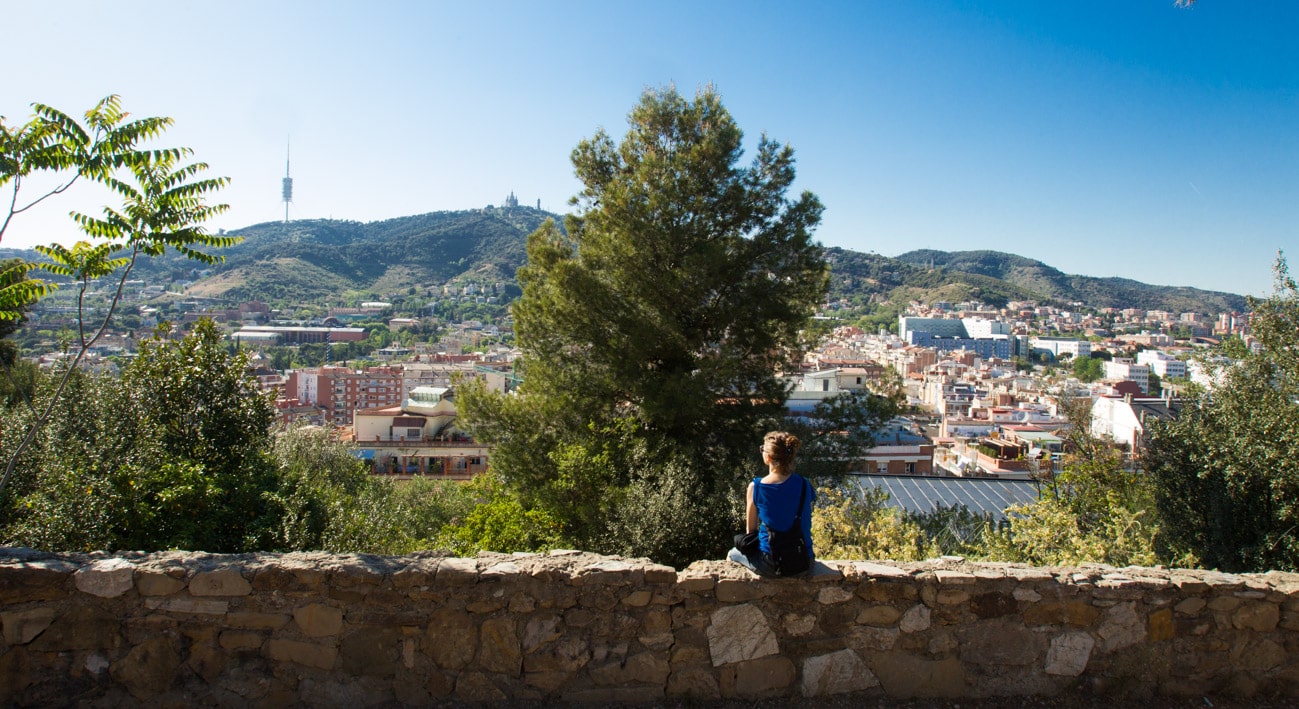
x=654 y=327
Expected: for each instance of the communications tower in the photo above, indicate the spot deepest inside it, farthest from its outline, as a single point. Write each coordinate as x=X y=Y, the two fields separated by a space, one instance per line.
x=286 y=188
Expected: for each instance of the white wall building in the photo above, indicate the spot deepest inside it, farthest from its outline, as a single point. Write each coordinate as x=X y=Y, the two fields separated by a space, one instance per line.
x=1057 y=346
x=1163 y=364
x=1124 y=369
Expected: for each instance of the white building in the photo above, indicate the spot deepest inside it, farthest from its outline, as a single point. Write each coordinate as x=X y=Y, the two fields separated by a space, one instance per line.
x=1123 y=420
x=1057 y=346
x=1163 y=364
x=1124 y=369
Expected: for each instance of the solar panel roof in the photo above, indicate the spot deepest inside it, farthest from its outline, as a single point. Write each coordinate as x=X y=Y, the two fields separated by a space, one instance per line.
x=924 y=494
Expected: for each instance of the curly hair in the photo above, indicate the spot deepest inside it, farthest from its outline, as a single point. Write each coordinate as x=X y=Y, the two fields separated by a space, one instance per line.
x=781 y=446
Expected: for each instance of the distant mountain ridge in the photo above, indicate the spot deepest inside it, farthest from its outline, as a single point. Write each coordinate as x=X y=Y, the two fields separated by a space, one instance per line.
x=1096 y=292
x=321 y=259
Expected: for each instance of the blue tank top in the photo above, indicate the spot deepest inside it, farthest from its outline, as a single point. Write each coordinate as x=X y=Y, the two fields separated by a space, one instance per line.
x=776 y=503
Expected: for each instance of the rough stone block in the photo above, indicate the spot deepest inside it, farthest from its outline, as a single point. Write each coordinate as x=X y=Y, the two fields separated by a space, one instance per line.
x=833 y=594
x=1259 y=616
x=252 y=620
x=188 y=606
x=1190 y=606
x=764 y=677
x=798 y=624
x=241 y=640
x=609 y=572
x=1257 y=654
x=693 y=683
x=149 y=582
x=871 y=638
x=878 y=571
x=501 y=571
x=107 y=578
x=993 y=605
x=317 y=620
x=567 y=655
x=80 y=628
x=416 y=575
x=882 y=616
x=737 y=633
x=743 y=590
x=499 y=649
x=21 y=627
x=836 y=673
x=1000 y=644
x=455 y=571
x=220 y=582
x=641 y=668
x=38 y=580
x=1078 y=614
x=659 y=573
x=951 y=597
x=696 y=583
x=1224 y=603
x=1069 y=654
x=301 y=653
x=148 y=669
x=1024 y=593
x=637 y=599
x=886 y=591
x=906 y=676
x=916 y=619
x=953 y=578
x=1159 y=625
x=451 y=639
x=206 y=662
x=1121 y=627
x=370 y=651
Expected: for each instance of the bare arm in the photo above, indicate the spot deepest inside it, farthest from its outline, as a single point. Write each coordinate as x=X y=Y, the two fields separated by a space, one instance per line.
x=752 y=511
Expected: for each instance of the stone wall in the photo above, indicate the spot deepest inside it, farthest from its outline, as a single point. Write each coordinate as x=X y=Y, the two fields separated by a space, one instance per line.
x=354 y=629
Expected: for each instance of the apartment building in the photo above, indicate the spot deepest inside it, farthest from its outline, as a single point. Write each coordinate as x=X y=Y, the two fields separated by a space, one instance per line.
x=1162 y=364
x=340 y=391
x=1056 y=346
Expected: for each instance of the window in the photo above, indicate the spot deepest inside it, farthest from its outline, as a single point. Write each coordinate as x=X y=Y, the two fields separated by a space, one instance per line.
x=825 y=385
x=911 y=468
x=412 y=433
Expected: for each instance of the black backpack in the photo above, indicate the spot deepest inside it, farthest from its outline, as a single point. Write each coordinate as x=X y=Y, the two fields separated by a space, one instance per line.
x=788 y=548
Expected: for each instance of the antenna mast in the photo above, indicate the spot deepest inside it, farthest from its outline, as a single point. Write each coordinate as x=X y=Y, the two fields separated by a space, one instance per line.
x=287 y=185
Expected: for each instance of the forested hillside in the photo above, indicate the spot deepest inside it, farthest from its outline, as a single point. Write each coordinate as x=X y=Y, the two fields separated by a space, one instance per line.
x=321 y=259
x=1096 y=292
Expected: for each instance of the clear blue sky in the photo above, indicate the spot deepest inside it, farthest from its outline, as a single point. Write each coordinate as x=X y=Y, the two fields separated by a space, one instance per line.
x=1107 y=138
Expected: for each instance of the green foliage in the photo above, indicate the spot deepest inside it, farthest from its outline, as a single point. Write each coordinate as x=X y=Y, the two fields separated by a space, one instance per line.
x=1096 y=513
x=499 y=522
x=857 y=523
x=1088 y=369
x=840 y=430
x=652 y=329
x=171 y=455
x=163 y=206
x=1225 y=470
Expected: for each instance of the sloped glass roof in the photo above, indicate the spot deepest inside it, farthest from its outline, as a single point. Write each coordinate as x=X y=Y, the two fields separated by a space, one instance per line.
x=923 y=494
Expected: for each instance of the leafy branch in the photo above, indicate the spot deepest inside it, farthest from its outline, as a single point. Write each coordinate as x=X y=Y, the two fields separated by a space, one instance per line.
x=163 y=205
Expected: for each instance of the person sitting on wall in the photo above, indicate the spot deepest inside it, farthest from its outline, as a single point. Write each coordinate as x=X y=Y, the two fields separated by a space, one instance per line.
x=778 y=501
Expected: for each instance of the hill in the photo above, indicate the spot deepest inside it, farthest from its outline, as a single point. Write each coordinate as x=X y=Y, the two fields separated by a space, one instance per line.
x=326 y=260
x=1095 y=292
x=320 y=259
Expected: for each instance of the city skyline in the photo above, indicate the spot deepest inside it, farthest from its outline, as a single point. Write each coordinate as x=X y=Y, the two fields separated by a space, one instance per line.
x=1139 y=140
